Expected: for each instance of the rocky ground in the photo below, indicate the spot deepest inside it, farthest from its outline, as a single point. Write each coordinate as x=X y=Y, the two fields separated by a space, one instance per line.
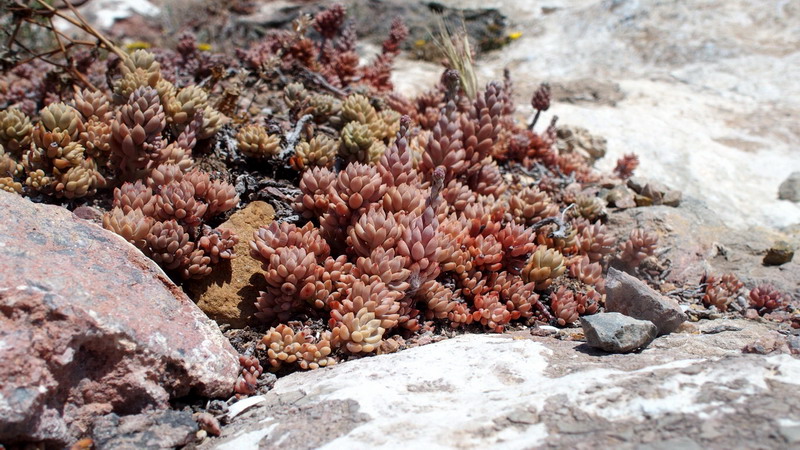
x=692 y=389
x=699 y=91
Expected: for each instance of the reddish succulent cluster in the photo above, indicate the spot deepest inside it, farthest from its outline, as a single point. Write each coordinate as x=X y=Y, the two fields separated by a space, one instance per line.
x=721 y=291
x=765 y=298
x=626 y=165
x=164 y=216
x=640 y=245
x=440 y=210
x=142 y=135
x=247 y=382
x=334 y=57
x=421 y=226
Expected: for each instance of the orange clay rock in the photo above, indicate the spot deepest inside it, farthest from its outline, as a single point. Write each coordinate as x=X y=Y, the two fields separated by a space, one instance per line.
x=227 y=294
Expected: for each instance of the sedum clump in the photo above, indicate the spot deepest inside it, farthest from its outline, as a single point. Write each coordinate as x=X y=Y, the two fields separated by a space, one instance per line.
x=442 y=211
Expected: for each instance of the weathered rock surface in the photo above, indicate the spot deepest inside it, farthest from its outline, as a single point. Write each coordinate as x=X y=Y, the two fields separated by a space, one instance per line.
x=693 y=240
x=617 y=333
x=520 y=391
x=700 y=91
x=630 y=296
x=228 y=295
x=158 y=429
x=790 y=188
x=579 y=140
x=90 y=326
x=778 y=254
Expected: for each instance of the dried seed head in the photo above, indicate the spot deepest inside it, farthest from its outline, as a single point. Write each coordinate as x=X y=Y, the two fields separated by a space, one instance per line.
x=329 y=22
x=626 y=165
x=541 y=98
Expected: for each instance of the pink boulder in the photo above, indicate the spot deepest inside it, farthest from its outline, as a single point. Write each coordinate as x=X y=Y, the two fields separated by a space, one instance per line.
x=90 y=326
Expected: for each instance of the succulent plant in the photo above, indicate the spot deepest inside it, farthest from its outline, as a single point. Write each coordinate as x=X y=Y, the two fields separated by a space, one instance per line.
x=531 y=205
x=766 y=297
x=564 y=306
x=15 y=130
x=287 y=346
x=544 y=265
x=254 y=142
x=437 y=210
x=626 y=165
x=639 y=246
x=247 y=382
x=721 y=291
x=320 y=151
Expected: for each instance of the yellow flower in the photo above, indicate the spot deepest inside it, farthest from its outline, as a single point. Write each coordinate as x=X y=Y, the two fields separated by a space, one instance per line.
x=204 y=47
x=515 y=35
x=137 y=45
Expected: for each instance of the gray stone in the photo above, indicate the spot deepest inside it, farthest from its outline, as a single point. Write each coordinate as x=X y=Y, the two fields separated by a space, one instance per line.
x=672 y=198
x=637 y=184
x=630 y=296
x=681 y=443
x=617 y=333
x=791 y=433
x=620 y=197
x=158 y=429
x=790 y=188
